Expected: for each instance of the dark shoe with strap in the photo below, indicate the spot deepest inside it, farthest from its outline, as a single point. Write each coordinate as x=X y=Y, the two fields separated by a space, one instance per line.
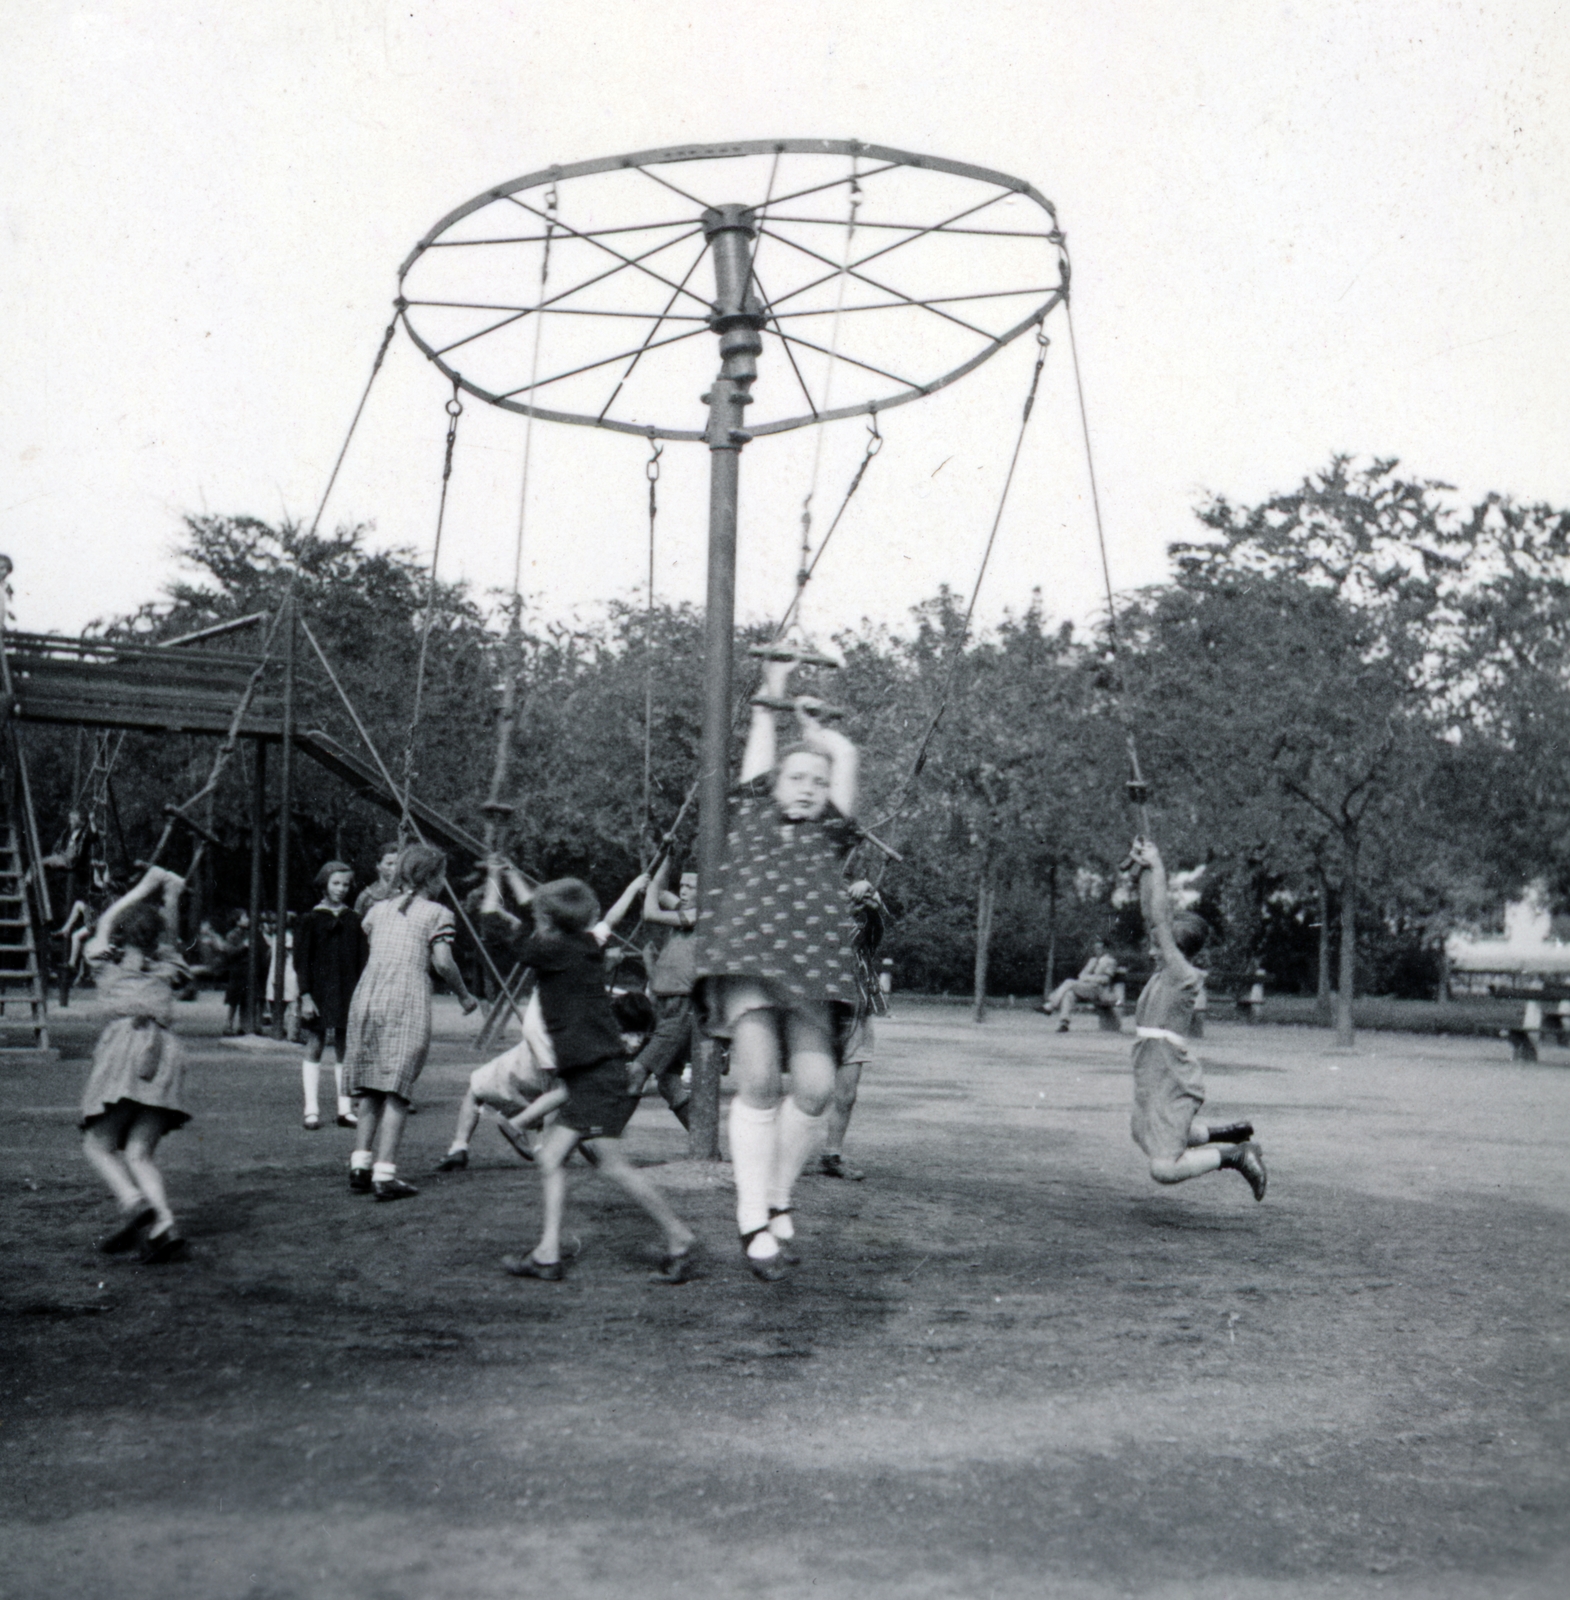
x=679 y=1266
x=769 y=1269
x=528 y=1267
x=393 y=1189
x=1248 y=1159
x=517 y=1138
x=832 y=1165
x=360 y=1179
x=162 y=1247
x=345 y=1119
x=1230 y=1133
x=128 y=1233
x=453 y=1161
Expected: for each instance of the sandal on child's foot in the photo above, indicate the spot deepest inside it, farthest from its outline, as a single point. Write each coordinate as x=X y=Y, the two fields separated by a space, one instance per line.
x=125 y=1236
x=770 y=1267
x=312 y=1122
x=453 y=1161
x=679 y=1266
x=518 y=1139
x=528 y=1267
x=161 y=1247
x=1229 y=1132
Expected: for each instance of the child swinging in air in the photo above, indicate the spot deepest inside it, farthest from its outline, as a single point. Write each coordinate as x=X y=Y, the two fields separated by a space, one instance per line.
x=775 y=959
x=135 y=1091
x=1169 y=1087
x=591 y=1102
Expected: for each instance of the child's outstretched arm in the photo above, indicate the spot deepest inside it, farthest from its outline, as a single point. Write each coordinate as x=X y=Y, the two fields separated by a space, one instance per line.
x=446 y=966
x=844 y=759
x=629 y=896
x=156 y=880
x=758 y=757
x=491 y=903
x=1155 y=901
x=653 y=911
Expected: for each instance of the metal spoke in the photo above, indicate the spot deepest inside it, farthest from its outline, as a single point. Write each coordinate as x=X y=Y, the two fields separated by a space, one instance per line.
x=780 y=334
x=605 y=361
x=539 y=238
x=654 y=330
x=576 y=288
x=672 y=187
x=915 y=228
x=626 y=261
x=835 y=183
x=839 y=355
x=561 y=311
x=931 y=300
x=886 y=288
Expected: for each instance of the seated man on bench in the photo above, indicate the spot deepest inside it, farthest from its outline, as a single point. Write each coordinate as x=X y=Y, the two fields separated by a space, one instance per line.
x=1094 y=983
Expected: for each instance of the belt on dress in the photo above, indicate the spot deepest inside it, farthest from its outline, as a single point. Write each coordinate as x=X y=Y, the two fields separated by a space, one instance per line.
x=1176 y=1040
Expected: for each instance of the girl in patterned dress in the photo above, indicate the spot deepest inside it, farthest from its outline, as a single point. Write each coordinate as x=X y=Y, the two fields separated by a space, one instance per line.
x=410 y=937
x=135 y=1092
x=775 y=962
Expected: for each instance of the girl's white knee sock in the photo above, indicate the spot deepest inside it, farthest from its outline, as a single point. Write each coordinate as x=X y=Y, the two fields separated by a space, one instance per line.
x=800 y=1138
x=754 y=1136
x=311 y=1075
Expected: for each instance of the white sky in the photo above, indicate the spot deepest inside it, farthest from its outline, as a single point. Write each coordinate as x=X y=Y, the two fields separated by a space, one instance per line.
x=1295 y=229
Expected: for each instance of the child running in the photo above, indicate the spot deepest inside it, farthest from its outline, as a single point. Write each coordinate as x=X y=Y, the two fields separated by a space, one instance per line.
x=669 y=1049
x=1169 y=1087
x=329 y=955
x=775 y=959
x=566 y=953
x=410 y=937
x=136 y=1089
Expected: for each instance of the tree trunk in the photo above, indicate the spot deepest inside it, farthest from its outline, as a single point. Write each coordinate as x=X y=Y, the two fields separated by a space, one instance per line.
x=1345 y=1037
x=986 y=896
x=1322 y=990
x=1442 y=994
x=1052 y=933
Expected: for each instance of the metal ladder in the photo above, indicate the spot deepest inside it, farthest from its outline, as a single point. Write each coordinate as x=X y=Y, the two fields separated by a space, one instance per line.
x=24 y=1005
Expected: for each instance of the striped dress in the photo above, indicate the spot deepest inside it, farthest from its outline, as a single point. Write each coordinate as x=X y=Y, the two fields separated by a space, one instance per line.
x=390 y=1014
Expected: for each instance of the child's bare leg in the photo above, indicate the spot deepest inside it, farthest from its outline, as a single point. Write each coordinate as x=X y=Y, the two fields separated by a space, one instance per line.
x=613 y=1164
x=1193 y=1163
x=754 y=1127
x=141 y=1142
x=847 y=1080
x=368 y=1107
x=101 y=1145
x=550 y=1155
x=389 y=1129
x=468 y=1121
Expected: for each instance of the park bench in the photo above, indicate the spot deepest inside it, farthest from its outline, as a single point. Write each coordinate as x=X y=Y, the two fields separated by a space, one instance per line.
x=1246 y=991
x=1546 y=1011
x=1108 y=1005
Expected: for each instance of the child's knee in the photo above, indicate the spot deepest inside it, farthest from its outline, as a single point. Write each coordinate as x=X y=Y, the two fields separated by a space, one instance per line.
x=1166 y=1169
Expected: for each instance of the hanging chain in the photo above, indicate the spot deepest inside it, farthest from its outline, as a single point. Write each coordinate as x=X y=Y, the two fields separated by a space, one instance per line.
x=651 y=470
x=454 y=411
x=534 y=373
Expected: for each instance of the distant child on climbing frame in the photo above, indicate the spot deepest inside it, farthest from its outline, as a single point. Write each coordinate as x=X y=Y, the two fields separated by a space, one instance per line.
x=1169 y=1087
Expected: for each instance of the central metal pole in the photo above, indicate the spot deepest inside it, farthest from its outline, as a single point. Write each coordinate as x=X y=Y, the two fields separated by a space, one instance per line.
x=285 y=808
x=737 y=319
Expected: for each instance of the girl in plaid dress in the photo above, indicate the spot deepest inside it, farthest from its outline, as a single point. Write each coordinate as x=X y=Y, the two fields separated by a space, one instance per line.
x=775 y=959
x=410 y=937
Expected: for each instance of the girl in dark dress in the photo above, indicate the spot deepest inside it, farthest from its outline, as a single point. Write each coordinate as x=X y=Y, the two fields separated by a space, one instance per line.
x=329 y=954
x=775 y=960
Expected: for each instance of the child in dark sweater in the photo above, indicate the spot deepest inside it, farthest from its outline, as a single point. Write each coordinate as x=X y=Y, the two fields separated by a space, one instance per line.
x=566 y=953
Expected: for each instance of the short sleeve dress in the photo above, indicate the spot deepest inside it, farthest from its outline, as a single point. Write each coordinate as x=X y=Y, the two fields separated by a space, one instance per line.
x=136 y=1058
x=390 y=1013
x=777 y=912
x=1169 y=1085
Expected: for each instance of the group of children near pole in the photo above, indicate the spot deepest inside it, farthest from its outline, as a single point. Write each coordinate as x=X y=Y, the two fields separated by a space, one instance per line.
x=773 y=959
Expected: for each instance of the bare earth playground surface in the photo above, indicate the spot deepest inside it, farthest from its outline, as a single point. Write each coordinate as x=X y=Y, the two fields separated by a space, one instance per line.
x=1010 y=1365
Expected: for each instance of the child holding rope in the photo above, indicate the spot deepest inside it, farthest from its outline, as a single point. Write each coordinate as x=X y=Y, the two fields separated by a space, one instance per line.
x=135 y=1091
x=566 y=953
x=410 y=938
x=669 y=1049
x=775 y=960
x=1169 y=1087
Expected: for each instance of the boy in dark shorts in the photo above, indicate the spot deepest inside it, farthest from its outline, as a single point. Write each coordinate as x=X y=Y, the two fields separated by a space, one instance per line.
x=566 y=953
x=1169 y=1087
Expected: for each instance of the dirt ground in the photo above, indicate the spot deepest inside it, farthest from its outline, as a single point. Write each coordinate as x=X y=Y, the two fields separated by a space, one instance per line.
x=1009 y=1366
